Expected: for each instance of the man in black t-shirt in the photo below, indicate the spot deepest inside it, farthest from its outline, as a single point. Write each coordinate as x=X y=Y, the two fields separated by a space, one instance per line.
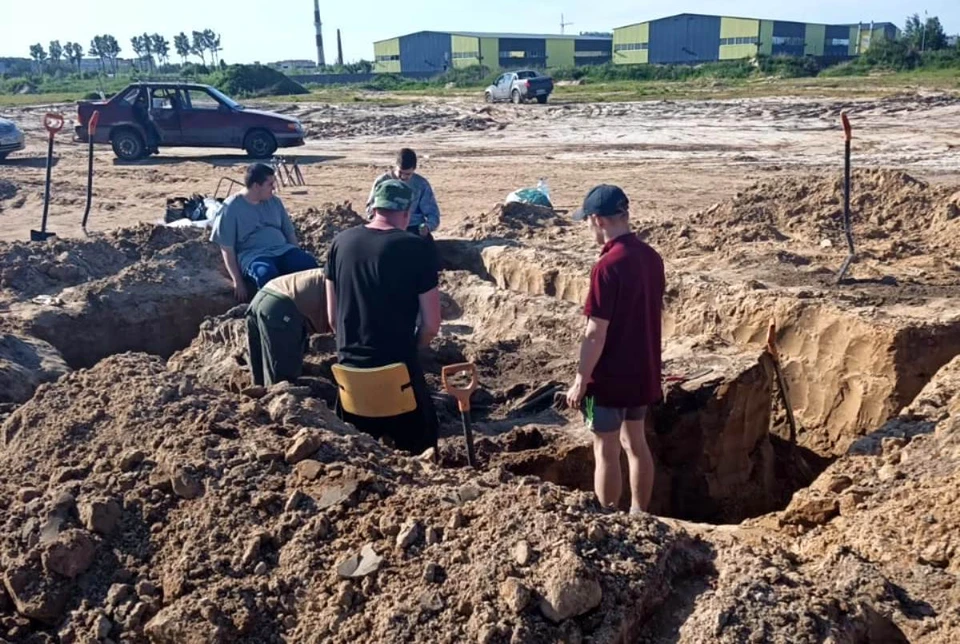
x=379 y=278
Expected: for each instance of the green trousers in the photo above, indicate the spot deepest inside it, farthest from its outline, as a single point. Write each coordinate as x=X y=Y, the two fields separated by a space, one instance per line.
x=276 y=339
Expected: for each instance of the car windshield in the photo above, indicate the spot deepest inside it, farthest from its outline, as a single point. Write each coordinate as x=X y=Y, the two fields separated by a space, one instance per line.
x=225 y=99
x=526 y=75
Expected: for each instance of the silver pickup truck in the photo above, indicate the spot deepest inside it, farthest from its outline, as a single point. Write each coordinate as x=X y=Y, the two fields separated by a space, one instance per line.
x=520 y=86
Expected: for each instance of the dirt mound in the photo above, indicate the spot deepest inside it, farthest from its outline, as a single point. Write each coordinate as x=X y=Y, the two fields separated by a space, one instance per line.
x=8 y=189
x=885 y=204
x=25 y=363
x=29 y=269
x=316 y=227
x=349 y=121
x=514 y=221
x=165 y=511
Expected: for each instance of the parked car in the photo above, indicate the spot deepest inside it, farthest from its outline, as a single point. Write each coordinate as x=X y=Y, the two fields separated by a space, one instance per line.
x=11 y=138
x=520 y=86
x=184 y=115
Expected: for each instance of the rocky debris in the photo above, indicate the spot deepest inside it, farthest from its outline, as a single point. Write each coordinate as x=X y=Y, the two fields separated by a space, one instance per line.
x=26 y=363
x=70 y=555
x=522 y=553
x=570 y=590
x=511 y=221
x=410 y=533
x=35 y=595
x=100 y=515
x=515 y=595
x=809 y=511
x=8 y=189
x=304 y=445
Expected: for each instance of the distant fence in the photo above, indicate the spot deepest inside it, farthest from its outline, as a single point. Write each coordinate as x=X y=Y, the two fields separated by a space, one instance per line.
x=348 y=79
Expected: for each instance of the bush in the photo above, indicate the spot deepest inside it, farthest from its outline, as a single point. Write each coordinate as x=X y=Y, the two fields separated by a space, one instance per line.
x=254 y=80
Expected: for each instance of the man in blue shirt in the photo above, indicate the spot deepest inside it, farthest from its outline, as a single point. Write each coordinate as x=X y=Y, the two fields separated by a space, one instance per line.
x=424 y=212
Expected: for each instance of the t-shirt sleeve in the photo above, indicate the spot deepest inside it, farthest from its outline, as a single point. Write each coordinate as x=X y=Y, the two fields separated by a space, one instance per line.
x=225 y=229
x=428 y=276
x=330 y=269
x=602 y=296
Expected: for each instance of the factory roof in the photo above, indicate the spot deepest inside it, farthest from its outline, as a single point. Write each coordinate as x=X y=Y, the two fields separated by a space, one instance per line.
x=485 y=34
x=707 y=15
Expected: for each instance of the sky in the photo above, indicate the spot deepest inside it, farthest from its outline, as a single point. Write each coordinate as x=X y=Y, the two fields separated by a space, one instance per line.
x=254 y=30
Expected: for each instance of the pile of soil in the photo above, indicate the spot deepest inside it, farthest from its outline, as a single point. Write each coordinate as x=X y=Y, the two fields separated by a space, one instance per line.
x=512 y=221
x=316 y=227
x=344 y=122
x=885 y=204
x=28 y=269
x=166 y=511
x=8 y=189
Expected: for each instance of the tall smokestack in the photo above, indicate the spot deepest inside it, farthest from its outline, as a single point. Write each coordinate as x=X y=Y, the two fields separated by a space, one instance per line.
x=321 y=61
x=339 y=50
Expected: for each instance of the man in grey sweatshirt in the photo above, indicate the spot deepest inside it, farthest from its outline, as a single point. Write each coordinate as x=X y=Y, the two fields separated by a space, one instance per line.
x=424 y=212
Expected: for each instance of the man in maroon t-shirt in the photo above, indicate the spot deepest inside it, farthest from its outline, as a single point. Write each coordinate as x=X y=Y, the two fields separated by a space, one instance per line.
x=619 y=372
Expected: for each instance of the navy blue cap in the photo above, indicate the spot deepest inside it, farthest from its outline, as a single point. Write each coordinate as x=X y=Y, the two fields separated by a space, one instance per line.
x=603 y=201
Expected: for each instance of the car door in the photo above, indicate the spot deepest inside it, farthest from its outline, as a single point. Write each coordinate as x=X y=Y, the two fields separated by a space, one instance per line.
x=506 y=86
x=165 y=110
x=498 y=88
x=207 y=122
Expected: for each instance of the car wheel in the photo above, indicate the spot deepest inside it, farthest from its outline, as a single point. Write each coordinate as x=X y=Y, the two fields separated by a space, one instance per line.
x=488 y=97
x=128 y=145
x=516 y=97
x=541 y=99
x=260 y=144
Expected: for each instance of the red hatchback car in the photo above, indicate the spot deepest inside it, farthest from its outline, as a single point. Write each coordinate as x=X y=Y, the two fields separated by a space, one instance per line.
x=146 y=116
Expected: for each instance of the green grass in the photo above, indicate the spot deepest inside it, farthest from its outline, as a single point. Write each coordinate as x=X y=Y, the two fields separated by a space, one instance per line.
x=836 y=82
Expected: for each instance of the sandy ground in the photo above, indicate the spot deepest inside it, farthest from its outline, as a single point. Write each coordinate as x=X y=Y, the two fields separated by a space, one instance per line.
x=673 y=158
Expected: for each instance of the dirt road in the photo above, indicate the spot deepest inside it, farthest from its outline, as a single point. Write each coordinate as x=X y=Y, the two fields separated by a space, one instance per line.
x=673 y=158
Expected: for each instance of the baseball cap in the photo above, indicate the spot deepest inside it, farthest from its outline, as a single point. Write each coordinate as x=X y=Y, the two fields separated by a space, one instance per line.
x=604 y=201
x=393 y=195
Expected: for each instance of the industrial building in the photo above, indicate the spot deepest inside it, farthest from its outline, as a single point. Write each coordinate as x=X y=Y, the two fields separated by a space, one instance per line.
x=428 y=52
x=693 y=38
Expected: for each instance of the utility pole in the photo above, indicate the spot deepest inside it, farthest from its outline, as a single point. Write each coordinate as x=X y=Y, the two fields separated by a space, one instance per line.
x=339 y=50
x=563 y=24
x=321 y=61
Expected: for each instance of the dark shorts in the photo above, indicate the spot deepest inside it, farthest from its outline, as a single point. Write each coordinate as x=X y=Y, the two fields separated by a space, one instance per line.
x=603 y=420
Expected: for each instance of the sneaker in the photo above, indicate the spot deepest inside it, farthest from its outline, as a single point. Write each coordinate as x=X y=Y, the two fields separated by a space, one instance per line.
x=634 y=511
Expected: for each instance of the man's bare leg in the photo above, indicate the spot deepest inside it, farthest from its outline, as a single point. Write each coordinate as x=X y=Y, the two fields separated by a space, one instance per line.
x=634 y=438
x=607 y=481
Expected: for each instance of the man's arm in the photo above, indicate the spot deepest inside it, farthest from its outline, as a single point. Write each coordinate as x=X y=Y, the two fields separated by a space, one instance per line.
x=429 y=317
x=233 y=268
x=286 y=225
x=331 y=305
x=428 y=206
x=591 y=348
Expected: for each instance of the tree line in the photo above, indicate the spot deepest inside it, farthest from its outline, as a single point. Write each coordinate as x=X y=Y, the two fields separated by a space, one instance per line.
x=151 y=50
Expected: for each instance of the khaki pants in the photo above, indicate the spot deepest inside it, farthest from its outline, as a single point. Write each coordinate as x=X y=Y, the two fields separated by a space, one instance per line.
x=276 y=339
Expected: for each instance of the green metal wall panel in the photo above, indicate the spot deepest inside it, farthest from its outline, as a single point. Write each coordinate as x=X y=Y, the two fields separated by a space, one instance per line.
x=739 y=27
x=854 y=35
x=733 y=31
x=560 y=53
x=490 y=53
x=814 y=40
x=630 y=44
x=766 y=37
x=466 y=51
x=387 y=56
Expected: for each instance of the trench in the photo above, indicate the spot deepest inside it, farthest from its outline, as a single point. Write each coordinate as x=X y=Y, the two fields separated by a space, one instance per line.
x=719 y=440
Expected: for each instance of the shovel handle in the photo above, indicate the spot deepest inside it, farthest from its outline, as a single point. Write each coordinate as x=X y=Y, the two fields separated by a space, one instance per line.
x=847 y=129
x=772 y=342
x=461 y=394
x=92 y=123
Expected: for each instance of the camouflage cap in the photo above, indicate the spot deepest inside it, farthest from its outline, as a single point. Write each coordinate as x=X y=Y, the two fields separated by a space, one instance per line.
x=393 y=195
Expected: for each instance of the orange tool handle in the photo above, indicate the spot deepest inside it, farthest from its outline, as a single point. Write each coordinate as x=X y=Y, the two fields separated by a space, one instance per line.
x=847 y=130
x=53 y=122
x=92 y=123
x=461 y=394
x=772 y=342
